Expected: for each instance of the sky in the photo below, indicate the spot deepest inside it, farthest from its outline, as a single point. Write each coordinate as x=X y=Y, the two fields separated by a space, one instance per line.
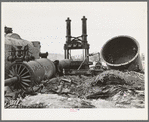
x=45 y=22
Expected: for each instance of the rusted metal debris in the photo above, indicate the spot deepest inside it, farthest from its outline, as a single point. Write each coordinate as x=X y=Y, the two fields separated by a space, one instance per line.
x=83 y=89
x=122 y=53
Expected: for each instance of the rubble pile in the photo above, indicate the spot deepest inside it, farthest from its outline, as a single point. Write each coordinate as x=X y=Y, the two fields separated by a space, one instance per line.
x=110 y=89
x=130 y=78
x=126 y=89
x=11 y=103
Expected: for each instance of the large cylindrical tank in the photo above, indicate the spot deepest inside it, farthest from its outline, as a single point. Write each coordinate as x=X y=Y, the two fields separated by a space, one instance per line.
x=13 y=39
x=32 y=72
x=65 y=63
x=122 y=53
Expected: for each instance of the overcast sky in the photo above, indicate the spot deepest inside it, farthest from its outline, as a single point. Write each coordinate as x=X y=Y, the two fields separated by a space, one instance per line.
x=45 y=22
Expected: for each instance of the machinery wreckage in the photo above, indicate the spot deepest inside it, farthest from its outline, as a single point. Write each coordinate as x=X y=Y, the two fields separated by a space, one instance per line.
x=30 y=72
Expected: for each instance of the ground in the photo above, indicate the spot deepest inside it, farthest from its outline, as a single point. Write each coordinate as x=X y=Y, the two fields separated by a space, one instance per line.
x=109 y=89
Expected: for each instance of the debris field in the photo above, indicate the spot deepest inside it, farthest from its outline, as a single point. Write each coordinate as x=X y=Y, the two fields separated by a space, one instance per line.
x=109 y=89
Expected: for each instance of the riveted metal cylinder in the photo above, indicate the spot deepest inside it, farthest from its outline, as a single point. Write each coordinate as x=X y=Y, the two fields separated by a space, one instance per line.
x=122 y=53
x=41 y=69
x=30 y=73
x=48 y=67
x=65 y=63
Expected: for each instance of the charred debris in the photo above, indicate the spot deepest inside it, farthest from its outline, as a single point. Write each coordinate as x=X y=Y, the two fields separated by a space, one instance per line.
x=34 y=81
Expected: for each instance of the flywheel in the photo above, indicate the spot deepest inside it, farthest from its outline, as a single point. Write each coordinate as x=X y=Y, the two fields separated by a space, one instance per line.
x=23 y=74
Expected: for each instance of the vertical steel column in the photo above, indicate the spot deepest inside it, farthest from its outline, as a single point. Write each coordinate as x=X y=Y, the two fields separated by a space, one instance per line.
x=68 y=54
x=65 y=54
x=68 y=30
x=85 y=53
x=68 y=35
x=88 y=55
x=84 y=29
x=84 y=36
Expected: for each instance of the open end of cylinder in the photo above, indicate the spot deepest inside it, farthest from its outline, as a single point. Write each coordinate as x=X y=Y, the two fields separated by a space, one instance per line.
x=120 y=50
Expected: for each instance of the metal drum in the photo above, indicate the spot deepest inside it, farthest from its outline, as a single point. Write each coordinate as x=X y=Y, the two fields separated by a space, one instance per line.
x=65 y=63
x=48 y=67
x=122 y=53
x=30 y=73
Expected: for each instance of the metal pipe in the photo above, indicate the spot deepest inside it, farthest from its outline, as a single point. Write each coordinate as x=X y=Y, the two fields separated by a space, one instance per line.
x=10 y=81
x=65 y=63
x=82 y=63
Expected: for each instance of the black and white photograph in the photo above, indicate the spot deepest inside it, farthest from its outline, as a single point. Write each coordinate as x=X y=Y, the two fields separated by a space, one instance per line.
x=74 y=60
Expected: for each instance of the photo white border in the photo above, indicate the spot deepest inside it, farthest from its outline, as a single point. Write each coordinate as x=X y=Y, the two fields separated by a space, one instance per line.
x=65 y=114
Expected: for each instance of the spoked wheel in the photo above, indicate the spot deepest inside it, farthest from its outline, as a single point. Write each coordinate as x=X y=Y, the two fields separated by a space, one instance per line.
x=23 y=76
